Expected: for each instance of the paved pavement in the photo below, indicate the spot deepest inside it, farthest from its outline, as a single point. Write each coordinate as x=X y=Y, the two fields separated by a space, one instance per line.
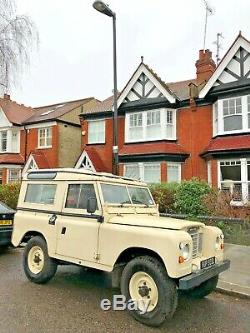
x=237 y=279
x=71 y=303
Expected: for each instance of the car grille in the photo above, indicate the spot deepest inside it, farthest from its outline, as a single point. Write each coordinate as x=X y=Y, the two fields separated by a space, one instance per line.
x=197 y=241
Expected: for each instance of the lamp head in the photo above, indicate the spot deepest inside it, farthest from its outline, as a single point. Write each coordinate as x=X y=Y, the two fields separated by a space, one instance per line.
x=103 y=8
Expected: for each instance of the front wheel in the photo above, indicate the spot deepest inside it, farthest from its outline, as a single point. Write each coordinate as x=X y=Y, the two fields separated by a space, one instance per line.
x=38 y=266
x=145 y=281
x=204 y=289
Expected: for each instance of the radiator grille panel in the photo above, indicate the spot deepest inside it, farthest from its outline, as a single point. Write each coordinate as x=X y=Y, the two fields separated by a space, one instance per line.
x=197 y=241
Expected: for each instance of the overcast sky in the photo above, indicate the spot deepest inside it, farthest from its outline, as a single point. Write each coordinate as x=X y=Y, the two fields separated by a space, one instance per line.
x=74 y=59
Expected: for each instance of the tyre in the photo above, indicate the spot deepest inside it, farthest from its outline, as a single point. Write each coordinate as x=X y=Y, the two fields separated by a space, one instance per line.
x=204 y=289
x=38 y=266
x=145 y=281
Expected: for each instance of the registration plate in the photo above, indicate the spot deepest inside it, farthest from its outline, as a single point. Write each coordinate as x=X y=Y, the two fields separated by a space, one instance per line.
x=208 y=262
x=5 y=222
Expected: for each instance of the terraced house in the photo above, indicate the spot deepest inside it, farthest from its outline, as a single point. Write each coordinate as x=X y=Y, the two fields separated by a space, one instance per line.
x=178 y=130
x=45 y=137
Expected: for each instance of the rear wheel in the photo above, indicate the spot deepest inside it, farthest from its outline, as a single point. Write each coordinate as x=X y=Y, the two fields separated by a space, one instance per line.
x=38 y=266
x=204 y=289
x=145 y=281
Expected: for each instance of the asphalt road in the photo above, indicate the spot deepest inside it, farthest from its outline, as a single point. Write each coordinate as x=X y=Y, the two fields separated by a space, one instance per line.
x=71 y=303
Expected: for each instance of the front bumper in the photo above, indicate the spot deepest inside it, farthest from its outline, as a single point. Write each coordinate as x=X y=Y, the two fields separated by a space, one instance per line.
x=195 y=279
x=5 y=236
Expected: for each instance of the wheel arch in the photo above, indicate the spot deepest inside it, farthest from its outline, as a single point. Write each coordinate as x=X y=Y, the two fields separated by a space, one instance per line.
x=28 y=235
x=133 y=252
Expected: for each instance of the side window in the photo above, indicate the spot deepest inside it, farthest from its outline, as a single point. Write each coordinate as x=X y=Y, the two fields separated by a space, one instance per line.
x=78 y=194
x=40 y=194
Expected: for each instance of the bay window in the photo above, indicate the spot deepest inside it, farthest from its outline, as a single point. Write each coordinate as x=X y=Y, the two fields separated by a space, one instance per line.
x=148 y=172
x=173 y=172
x=96 y=131
x=3 y=141
x=150 y=125
x=14 y=175
x=231 y=115
x=234 y=178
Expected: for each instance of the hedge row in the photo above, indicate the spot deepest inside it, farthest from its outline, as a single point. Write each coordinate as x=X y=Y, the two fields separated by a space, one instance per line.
x=9 y=194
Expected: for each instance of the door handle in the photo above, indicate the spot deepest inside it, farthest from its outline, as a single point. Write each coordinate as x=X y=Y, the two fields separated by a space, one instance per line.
x=52 y=220
x=63 y=231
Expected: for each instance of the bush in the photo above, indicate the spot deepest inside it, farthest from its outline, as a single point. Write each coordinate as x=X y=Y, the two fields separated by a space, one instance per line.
x=164 y=196
x=218 y=203
x=189 y=197
x=9 y=194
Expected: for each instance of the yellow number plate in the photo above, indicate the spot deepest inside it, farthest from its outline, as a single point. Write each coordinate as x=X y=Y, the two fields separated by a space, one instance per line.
x=5 y=222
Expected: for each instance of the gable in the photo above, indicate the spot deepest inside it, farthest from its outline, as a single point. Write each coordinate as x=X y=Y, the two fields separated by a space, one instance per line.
x=144 y=84
x=85 y=162
x=4 y=122
x=143 y=88
x=237 y=69
x=233 y=70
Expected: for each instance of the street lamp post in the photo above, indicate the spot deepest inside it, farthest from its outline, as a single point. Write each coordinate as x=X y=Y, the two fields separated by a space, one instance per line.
x=104 y=9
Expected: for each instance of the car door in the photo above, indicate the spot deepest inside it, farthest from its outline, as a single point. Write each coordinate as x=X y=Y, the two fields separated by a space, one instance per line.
x=77 y=230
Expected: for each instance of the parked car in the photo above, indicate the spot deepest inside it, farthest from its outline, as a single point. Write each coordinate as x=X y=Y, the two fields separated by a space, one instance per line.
x=6 y=225
x=112 y=224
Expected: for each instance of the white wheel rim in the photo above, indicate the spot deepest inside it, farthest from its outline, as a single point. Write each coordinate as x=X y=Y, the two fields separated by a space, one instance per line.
x=143 y=291
x=35 y=260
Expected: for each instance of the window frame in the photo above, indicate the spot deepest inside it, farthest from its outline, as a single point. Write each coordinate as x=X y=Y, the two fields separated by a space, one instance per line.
x=163 y=125
x=81 y=210
x=141 y=166
x=178 y=165
x=39 y=203
x=1 y=141
x=9 y=180
x=245 y=183
x=46 y=137
x=245 y=112
x=103 y=139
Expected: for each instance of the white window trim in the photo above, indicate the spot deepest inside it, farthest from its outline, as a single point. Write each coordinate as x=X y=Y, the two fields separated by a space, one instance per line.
x=179 y=170
x=209 y=172
x=244 y=114
x=141 y=168
x=99 y=142
x=243 y=181
x=14 y=169
x=38 y=135
x=162 y=136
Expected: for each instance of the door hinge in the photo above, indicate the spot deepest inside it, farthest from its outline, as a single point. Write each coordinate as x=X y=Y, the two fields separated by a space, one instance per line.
x=97 y=256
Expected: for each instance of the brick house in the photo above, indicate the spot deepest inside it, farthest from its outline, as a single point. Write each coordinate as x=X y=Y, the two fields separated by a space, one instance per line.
x=39 y=137
x=178 y=130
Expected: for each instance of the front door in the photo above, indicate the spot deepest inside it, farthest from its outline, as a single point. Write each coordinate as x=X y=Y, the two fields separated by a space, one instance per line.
x=77 y=230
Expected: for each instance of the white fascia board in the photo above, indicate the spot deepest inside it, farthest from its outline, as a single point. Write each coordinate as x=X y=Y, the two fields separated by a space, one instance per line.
x=41 y=125
x=240 y=42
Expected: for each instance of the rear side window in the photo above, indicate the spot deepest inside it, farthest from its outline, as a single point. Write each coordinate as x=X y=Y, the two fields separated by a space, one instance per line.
x=78 y=195
x=40 y=193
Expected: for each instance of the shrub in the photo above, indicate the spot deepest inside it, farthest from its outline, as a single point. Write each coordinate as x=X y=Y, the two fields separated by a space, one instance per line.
x=218 y=203
x=9 y=194
x=190 y=195
x=164 y=196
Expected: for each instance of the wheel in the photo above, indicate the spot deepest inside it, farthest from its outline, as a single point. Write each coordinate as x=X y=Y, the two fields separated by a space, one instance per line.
x=38 y=266
x=145 y=281
x=204 y=289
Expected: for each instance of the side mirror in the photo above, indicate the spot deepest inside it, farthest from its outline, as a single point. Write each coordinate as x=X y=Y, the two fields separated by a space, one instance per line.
x=91 y=205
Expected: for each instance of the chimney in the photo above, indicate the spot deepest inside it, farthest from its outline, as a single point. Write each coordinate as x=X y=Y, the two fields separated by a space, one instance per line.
x=205 y=66
x=6 y=97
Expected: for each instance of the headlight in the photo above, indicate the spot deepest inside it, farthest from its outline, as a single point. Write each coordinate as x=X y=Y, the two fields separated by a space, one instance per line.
x=185 y=250
x=217 y=243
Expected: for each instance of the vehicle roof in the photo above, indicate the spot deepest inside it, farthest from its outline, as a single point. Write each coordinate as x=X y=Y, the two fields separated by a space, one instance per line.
x=71 y=174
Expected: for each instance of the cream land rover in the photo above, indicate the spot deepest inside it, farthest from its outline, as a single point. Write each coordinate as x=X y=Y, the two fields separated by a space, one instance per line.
x=112 y=224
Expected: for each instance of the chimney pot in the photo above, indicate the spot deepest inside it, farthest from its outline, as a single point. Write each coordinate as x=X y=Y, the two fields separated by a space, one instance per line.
x=7 y=97
x=205 y=66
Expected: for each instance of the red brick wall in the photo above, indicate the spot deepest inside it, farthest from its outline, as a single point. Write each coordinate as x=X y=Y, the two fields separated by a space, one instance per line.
x=105 y=150
x=50 y=153
x=194 y=131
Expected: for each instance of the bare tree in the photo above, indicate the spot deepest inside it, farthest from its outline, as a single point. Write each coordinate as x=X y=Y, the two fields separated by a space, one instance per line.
x=18 y=35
